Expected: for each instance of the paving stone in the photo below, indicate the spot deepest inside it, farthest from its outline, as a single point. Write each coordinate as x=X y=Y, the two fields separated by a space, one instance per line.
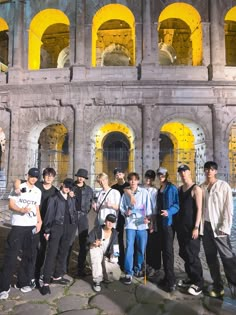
x=29 y=309
x=68 y=303
x=141 y=309
x=220 y=306
x=81 y=287
x=81 y=312
x=178 y=308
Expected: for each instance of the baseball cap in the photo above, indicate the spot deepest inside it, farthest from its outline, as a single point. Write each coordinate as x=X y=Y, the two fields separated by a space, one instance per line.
x=34 y=172
x=162 y=171
x=183 y=167
x=111 y=218
x=117 y=170
x=68 y=183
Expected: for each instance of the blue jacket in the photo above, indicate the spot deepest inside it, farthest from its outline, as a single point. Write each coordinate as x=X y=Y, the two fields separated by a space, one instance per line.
x=170 y=203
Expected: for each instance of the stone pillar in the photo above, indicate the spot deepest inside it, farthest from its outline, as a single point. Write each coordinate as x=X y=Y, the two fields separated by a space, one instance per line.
x=79 y=154
x=80 y=33
x=206 y=43
x=220 y=144
x=217 y=39
x=18 y=44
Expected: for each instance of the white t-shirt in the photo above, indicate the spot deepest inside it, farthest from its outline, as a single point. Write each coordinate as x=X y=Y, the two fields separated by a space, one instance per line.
x=113 y=197
x=30 y=198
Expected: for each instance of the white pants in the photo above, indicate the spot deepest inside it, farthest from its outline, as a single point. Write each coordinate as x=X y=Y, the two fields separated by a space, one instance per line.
x=102 y=268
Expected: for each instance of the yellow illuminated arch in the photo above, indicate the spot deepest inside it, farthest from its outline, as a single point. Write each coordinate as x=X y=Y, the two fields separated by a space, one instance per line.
x=184 y=149
x=3 y=25
x=38 y=26
x=101 y=134
x=111 y=12
x=190 y=16
x=231 y=14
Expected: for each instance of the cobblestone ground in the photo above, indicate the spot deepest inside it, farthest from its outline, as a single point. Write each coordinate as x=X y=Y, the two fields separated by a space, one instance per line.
x=115 y=298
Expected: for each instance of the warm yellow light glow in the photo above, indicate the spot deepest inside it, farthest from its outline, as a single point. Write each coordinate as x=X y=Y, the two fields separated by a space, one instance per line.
x=183 y=152
x=3 y=25
x=231 y=14
x=111 y=12
x=232 y=156
x=192 y=18
x=38 y=26
x=100 y=137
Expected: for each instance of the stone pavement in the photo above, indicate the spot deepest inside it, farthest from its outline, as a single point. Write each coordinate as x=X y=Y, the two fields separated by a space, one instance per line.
x=78 y=298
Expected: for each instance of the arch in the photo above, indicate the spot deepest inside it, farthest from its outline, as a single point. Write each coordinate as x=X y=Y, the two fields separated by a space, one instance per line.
x=4 y=42
x=230 y=37
x=188 y=14
x=48 y=146
x=99 y=135
x=121 y=52
x=38 y=26
x=107 y=13
x=3 y=25
x=63 y=57
x=189 y=147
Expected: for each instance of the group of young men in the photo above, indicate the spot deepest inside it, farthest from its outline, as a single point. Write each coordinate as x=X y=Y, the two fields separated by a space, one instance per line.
x=45 y=221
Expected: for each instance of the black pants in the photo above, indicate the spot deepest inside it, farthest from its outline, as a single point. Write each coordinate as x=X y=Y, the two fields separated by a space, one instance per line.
x=165 y=236
x=41 y=252
x=189 y=251
x=153 y=251
x=57 y=250
x=120 y=230
x=214 y=245
x=19 y=239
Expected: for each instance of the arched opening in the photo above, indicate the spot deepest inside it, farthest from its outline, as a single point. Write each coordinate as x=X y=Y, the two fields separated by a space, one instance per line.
x=114 y=147
x=180 y=27
x=230 y=37
x=113 y=36
x=232 y=156
x=49 y=146
x=182 y=142
x=48 y=36
x=63 y=60
x=4 y=42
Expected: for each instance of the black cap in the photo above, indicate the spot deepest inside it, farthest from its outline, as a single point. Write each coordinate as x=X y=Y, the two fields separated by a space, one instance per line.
x=68 y=183
x=82 y=173
x=34 y=172
x=117 y=170
x=150 y=174
x=183 y=168
x=111 y=218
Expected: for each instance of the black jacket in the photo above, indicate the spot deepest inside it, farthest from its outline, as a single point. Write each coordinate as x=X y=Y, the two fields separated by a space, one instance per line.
x=96 y=234
x=87 y=198
x=56 y=211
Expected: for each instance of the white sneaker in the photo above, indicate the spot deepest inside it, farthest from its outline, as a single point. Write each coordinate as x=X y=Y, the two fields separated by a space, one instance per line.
x=4 y=295
x=26 y=289
x=194 y=290
x=97 y=286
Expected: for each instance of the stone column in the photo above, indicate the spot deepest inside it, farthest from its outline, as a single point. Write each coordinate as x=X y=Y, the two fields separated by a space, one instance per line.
x=220 y=144
x=80 y=33
x=217 y=39
x=18 y=44
x=206 y=43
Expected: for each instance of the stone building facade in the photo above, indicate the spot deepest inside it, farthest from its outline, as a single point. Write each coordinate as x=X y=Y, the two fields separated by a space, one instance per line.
x=100 y=84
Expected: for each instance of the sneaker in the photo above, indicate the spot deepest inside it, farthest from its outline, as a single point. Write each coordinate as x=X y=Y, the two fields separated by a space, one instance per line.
x=216 y=293
x=4 y=295
x=232 y=288
x=61 y=281
x=45 y=289
x=168 y=288
x=184 y=283
x=194 y=290
x=26 y=289
x=139 y=274
x=34 y=284
x=127 y=279
x=97 y=286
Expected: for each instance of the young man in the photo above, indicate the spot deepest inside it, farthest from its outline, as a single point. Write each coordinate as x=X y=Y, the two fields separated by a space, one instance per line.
x=84 y=197
x=120 y=185
x=189 y=217
x=26 y=222
x=167 y=206
x=58 y=226
x=216 y=227
x=104 y=250
x=136 y=224
x=108 y=200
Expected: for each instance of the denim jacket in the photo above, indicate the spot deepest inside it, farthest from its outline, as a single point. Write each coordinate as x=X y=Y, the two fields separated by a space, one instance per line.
x=170 y=203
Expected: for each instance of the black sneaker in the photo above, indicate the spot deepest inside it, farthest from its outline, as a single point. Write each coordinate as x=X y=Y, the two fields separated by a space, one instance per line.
x=184 y=283
x=127 y=279
x=194 y=290
x=169 y=288
x=61 y=281
x=45 y=289
x=139 y=274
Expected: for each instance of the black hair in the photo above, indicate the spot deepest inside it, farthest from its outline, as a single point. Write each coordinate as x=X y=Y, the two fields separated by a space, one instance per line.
x=210 y=164
x=49 y=171
x=150 y=174
x=133 y=174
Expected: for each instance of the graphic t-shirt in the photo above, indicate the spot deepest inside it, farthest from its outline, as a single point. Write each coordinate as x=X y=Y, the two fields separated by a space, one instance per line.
x=30 y=197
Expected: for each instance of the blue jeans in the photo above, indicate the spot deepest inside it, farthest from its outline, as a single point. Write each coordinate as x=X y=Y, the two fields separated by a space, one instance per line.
x=139 y=238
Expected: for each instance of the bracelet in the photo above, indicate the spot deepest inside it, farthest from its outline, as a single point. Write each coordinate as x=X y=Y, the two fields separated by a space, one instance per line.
x=196 y=227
